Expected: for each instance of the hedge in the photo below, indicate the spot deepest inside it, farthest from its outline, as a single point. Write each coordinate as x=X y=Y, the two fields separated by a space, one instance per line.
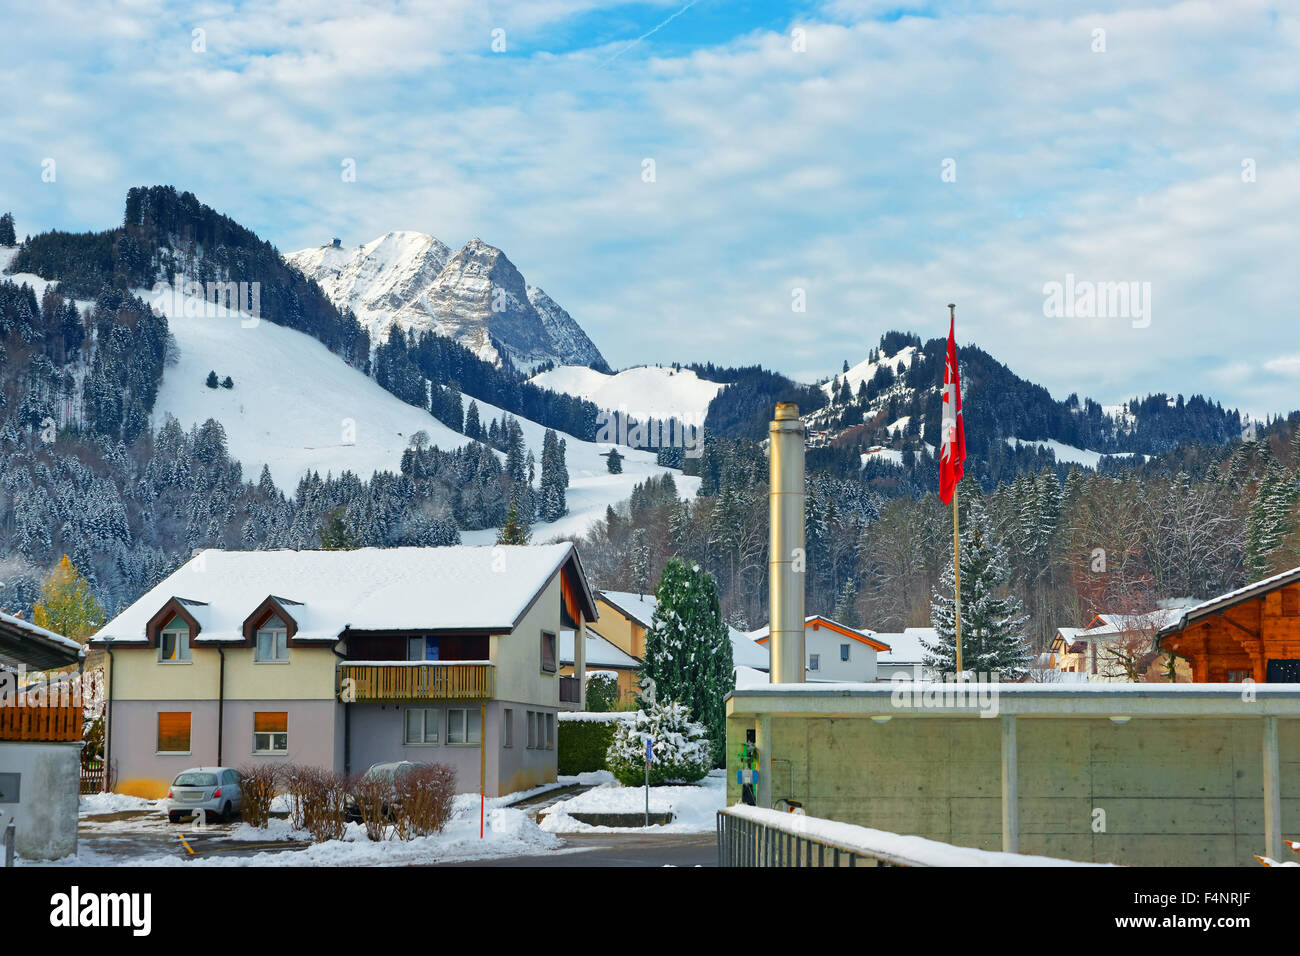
x=583 y=740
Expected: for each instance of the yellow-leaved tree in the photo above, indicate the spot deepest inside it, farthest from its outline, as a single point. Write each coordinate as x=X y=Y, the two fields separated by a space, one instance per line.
x=66 y=605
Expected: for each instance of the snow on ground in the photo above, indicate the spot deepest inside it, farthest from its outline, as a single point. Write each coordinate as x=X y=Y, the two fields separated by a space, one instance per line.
x=648 y=391
x=865 y=370
x=1068 y=454
x=97 y=803
x=296 y=406
x=694 y=807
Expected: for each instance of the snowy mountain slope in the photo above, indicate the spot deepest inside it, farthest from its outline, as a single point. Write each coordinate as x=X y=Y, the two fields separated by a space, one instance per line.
x=865 y=370
x=1068 y=453
x=293 y=401
x=475 y=296
x=644 y=392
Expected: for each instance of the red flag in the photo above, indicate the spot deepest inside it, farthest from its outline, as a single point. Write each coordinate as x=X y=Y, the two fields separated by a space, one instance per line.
x=952 y=430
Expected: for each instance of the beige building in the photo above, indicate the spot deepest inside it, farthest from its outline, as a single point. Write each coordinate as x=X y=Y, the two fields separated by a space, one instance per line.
x=343 y=659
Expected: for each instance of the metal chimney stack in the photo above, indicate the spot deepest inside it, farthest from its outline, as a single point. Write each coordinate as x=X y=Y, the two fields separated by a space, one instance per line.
x=786 y=559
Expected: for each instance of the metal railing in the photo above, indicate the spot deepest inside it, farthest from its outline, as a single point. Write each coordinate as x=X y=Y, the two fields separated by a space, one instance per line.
x=746 y=842
x=425 y=680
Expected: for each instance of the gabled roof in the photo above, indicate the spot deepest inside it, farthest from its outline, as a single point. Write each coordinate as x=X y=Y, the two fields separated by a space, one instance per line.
x=462 y=588
x=905 y=646
x=818 y=621
x=600 y=652
x=641 y=608
x=1182 y=617
x=22 y=642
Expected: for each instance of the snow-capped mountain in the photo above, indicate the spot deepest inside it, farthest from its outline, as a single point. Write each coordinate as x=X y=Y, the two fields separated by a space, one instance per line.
x=475 y=296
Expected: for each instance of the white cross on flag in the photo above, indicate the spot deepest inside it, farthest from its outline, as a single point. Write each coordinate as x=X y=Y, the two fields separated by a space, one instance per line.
x=952 y=429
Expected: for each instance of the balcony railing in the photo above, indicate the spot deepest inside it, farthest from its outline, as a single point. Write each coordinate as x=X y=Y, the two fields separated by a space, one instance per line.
x=416 y=680
x=40 y=723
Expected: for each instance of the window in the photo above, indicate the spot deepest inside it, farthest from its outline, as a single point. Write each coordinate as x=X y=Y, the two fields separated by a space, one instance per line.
x=541 y=730
x=174 y=642
x=270 y=732
x=844 y=652
x=532 y=729
x=422 y=725
x=173 y=732
x=507 y=727
x=272 y=641
x=548 y=652
x=464 y=725
x=814 y=662
x=550 y=731
x=230 y=777
x=422 y=649
x=1237 y=677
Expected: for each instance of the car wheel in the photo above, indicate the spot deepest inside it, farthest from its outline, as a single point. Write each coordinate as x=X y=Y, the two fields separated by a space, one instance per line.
x=227 y=814
x=173 y=818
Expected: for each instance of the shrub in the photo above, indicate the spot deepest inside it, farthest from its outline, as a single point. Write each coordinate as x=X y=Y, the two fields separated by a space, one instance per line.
x=582 y=745
x=324 y=796
x=372 y=795
x=297 y=781
x=258 y=788
x=424 y=800
x=681 y=750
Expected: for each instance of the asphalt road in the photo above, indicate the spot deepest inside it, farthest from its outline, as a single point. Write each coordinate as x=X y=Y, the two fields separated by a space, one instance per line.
x=634 y=849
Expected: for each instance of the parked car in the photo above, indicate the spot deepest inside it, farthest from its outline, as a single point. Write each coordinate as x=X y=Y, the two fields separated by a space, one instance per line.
x=215 y=790
x=391 y=774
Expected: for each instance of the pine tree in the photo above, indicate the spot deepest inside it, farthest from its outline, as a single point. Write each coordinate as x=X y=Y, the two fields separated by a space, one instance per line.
x=688 y=648
x=615 y=463
x=473 y=428
x=1270 y=520
x=66 y=605
x=846 y=608
x=335 y=535
x=992 y=627
x=211 y=381
x=513 y=530
x=227 y=382
x=7 y=236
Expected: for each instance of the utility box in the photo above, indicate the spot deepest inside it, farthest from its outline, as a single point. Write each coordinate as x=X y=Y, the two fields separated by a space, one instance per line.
x=10 y=787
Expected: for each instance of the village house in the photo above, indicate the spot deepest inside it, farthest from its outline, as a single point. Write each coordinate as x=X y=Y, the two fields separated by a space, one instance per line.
x=1251 y=633
x=602 y=657
x=344 y=659
x=906 y=654
x=1113 y=647
x=835 y=652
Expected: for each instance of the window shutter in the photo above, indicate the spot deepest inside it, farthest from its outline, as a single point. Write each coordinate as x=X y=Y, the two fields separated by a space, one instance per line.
x=270 y=722
x=173 y=732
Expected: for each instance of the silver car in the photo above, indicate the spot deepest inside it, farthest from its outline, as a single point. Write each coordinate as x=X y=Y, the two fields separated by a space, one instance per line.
x=214 y=790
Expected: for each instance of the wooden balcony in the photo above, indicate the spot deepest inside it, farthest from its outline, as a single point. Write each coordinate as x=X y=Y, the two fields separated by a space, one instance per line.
x=422 y=680
x=42 y=723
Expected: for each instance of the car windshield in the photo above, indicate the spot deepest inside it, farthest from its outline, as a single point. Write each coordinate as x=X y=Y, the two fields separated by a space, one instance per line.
x=195 y=780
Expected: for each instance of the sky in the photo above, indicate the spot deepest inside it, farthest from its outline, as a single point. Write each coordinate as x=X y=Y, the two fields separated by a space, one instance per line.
x=735 y=182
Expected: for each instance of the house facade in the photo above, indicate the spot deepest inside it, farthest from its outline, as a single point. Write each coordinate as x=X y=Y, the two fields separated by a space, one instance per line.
x=344 y=659
x=1113 y=647
x=834 y=651
x=626 y=616
x=1252 y=633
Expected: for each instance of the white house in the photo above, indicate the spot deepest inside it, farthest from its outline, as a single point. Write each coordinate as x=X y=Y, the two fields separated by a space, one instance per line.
x=834 y=651
x=906 y=654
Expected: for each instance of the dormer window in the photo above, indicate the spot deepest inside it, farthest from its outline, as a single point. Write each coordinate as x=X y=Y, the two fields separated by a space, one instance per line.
x=174 y=642
x=272 y=641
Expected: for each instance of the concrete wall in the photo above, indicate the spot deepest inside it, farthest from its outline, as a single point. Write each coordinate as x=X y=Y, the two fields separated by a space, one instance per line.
x=315 y=738
x=46 y=815
x=1174 y=791
x=378 y=736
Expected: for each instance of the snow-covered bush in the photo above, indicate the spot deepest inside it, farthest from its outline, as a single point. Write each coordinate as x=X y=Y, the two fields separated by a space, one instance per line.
x=681 y=752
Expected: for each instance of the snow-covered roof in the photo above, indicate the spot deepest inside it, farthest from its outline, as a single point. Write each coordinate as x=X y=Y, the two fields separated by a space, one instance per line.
x=22 y=642
x=600 y=652
x=641 y=608
x=862 y=634
x=636 y=607
x=905 y=647
x=449 y=588
x=1181 y=617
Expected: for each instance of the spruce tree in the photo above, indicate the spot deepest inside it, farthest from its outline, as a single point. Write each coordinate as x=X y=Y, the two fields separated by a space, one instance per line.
x=211 y=381
x=688 y=649
x=992 y=627
x=846 y=608
x=615 y=463
x=513 y=530
x=1270 y=520
x=7 y=236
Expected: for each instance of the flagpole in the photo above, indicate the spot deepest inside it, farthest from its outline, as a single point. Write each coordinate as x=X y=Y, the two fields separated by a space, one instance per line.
x=956 y=538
